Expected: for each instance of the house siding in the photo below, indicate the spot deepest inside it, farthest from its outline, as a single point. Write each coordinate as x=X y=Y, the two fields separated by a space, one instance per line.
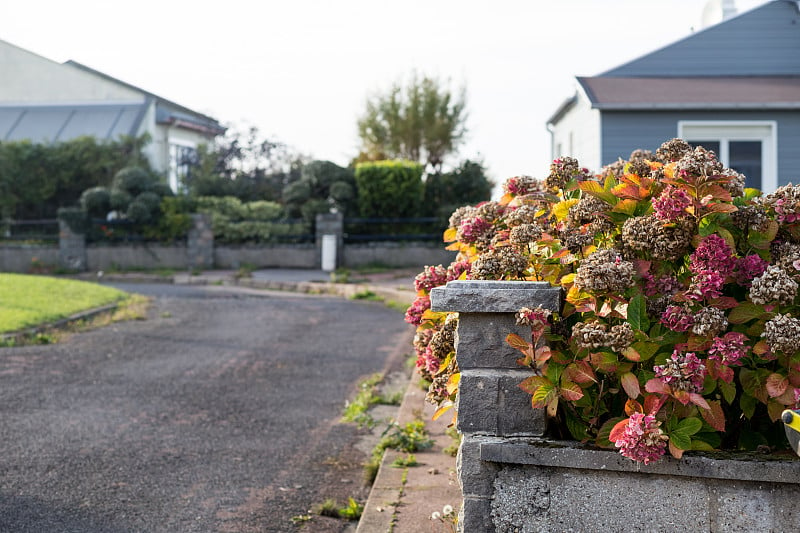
x=578 y=134
x=623 y=132
x=761 y=42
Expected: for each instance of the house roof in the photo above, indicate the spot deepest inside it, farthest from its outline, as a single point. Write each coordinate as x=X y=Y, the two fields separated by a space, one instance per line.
x=167 y=111
x=53 y=123
x=633 y=93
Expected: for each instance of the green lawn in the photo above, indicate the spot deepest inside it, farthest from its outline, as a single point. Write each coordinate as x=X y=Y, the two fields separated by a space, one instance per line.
x=27 y=301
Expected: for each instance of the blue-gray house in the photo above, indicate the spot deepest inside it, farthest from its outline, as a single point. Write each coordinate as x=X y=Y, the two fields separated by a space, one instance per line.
x=733 y=87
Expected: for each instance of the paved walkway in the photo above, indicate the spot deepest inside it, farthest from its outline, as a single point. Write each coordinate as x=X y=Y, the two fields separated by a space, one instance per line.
x=402 y=500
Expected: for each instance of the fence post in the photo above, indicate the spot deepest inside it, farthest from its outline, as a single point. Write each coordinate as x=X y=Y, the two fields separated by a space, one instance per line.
x=491 y=405
x=330 y=240
x=200 y=243
x=71 y=248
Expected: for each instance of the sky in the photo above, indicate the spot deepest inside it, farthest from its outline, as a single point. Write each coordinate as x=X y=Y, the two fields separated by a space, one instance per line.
x=301 y=70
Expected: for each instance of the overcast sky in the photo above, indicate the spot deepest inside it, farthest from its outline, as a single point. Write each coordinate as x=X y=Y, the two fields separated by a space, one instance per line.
x=301 y=70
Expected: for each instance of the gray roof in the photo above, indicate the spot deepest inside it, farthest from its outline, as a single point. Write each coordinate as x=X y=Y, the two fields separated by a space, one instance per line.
x=53 y=123
x=167 y=111
x=745 y=92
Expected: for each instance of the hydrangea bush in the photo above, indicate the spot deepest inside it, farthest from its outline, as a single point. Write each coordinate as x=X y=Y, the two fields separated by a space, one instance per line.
x=680 y=327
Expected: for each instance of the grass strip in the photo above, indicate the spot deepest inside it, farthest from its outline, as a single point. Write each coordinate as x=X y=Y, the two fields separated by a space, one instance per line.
x=28 y=301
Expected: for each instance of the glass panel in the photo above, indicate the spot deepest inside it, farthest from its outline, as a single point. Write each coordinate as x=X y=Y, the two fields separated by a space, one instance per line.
x=708 y=145
x=745 y=157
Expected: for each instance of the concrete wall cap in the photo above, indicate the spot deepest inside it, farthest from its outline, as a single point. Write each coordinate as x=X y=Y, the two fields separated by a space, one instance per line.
x=487 y=296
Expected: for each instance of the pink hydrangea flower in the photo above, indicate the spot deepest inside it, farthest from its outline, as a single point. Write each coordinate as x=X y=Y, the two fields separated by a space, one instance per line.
x=456 y=268
x=661 y=286
x=471 y=229
x=682 y=372
x=642 y=439
x=417 y=309
x=671 y=204
x=429 y=362
x=677 y=318
x=748 y=268
x=706 y=285
x=430 y=277
x=713 y=254
x=729 y=349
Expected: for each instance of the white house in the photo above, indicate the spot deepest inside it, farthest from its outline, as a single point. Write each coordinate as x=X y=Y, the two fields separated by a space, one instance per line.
x=45 y=101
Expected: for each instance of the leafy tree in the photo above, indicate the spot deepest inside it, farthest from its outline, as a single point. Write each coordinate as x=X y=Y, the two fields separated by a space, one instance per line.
x=244 y=165
x=467 y=184
x=421 y=122
x=36 y=179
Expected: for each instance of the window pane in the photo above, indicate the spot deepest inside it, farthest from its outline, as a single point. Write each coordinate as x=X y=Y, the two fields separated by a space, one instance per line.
x=745 y=157
x=708 y=145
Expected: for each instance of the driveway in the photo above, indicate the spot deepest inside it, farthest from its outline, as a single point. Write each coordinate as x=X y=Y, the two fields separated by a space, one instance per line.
x=218 y=413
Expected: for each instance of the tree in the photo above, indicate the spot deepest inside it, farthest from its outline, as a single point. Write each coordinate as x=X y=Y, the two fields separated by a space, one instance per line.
x=244 y=165
x=422 y=122
x=389 y=188
x=467 y=184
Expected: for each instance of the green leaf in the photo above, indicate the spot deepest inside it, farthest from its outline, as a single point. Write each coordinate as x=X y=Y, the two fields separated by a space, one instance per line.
x=602 y=435
x=637 y=313
x=680 y=440
x=728 y=391
x=646 y=349
x=712 y=438
x=689 y=426
x=748 y=405
x=745 y=312
x=701 y=445
x=576 y=427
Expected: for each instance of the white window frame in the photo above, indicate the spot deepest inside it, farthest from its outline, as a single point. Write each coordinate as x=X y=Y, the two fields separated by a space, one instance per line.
x=174 y=179
x=724 y=131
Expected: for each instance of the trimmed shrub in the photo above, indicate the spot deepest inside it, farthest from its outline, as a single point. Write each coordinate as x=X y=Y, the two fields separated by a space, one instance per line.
x=389 y=188
x=96 y=201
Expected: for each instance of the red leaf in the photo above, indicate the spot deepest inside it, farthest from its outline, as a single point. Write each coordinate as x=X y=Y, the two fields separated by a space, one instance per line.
x=570 y=391
x=630 y=384
x=657 y=386
x=698 y=400
x=714 y=415
x=652 y=403
x=776 y=384
x=580 y=372
x=618 y=430
x=724 y=302
x=761 y=348
x=543 y=353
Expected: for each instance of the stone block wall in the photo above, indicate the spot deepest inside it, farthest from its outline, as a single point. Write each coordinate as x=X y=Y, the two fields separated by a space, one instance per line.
x=513 y=479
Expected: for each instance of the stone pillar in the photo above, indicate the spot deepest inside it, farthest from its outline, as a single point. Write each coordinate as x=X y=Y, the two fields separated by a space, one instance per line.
x=71 y=248
x=330 y=232
x=200 y=243
x=491 y=406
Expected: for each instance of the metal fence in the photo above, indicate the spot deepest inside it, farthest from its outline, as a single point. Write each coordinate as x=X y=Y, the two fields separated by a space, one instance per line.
x=393 y=229
x=39 y=231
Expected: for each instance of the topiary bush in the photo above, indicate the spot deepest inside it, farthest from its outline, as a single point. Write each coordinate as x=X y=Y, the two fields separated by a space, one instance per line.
x=679 y=329
x=389 y=188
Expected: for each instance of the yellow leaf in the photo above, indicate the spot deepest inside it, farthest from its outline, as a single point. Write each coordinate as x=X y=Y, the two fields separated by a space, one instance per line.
x=452 y=383
x=450 y=234
x=561 y=209
x=446 y=406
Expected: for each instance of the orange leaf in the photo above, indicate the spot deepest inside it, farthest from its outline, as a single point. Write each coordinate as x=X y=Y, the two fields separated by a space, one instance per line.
x=618 y=430
x=714 y=416
x=632 y=406
x=760 y=348
x=552 y=407
x=450 y=234
x=452 y=383
x=515 y=341
x=532 y=384
x=446 y=406
x=631 y=354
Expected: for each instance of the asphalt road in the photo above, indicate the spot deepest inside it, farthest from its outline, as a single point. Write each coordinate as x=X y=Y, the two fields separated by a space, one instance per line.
x=218 y=413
